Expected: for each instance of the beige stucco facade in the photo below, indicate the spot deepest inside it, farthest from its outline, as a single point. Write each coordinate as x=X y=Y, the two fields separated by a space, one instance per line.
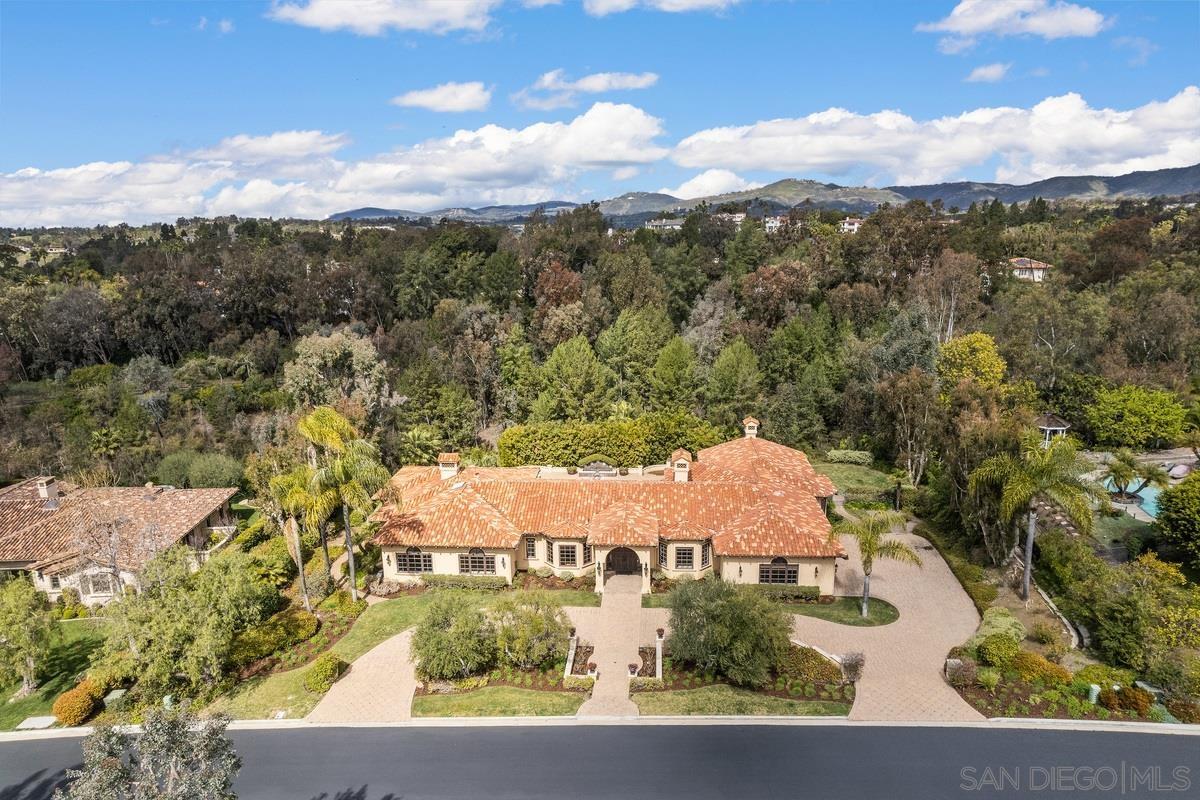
x=445 y=561
x=817 y=572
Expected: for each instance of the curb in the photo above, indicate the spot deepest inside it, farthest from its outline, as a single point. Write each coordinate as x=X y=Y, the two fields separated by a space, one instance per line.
x=1079 y=726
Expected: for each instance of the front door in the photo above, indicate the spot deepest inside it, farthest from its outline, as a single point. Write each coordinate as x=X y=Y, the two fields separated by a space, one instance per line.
x=623 y=561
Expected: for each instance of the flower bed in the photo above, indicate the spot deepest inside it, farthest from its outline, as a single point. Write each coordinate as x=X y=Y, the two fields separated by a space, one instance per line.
x=531 y=580
x=583 y=656
x=332 y=628
x=1016 y=698
x=548 y=679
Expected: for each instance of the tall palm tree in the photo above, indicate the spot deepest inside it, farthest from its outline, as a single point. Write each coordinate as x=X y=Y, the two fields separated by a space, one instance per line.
x=1056 y=473
x=289 y=502
x=348 y=480
x=1125 y=469
x=871 y=531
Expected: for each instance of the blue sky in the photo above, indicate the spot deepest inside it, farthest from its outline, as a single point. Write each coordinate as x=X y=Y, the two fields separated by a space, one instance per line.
x=148 y=110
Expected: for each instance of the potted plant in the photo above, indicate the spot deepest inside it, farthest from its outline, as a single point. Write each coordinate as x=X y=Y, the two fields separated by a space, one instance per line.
x=592 y=668
x=571 y=633
x=661 y=632
x=633 y=670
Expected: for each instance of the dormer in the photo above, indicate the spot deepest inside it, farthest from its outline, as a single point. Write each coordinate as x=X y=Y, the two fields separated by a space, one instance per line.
x=681 y=466
x=750 y=426
x=448 y=465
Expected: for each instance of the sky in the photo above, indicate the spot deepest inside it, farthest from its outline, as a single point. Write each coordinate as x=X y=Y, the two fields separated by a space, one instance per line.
x=148 y=111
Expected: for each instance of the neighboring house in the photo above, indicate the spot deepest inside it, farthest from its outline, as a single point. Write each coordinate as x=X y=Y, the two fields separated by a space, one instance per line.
x=97 y=540
x=774 y=224
x=749 y=510
x=661 y=225
x=850 y=225
x=1029 y=269
x=736 y=218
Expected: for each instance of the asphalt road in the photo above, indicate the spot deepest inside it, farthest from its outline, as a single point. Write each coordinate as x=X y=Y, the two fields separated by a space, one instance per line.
x=693 y=762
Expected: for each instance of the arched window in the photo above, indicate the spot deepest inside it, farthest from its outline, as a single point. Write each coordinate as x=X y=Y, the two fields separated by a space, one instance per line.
x=476 y=562
x=413 y=560
x=779 y=571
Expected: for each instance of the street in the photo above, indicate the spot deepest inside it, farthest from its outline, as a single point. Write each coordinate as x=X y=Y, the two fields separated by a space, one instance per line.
x=694 y=762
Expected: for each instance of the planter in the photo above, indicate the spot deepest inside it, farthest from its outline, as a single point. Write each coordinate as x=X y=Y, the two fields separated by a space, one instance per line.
x=661 y=632
x=591 y=668
x=572 y=633
x=633 y=670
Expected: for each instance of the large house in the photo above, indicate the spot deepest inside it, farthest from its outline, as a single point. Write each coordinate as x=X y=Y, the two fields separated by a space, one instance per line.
x=749 y=510
x=1029 y=269
x=96 y=540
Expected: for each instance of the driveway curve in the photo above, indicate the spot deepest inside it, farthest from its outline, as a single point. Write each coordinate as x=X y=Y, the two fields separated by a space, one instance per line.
x=378 y=688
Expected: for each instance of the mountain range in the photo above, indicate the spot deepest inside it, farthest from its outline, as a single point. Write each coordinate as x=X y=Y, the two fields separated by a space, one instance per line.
x=632 y=208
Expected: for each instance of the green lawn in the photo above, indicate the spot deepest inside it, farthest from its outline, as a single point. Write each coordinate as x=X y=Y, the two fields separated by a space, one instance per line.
x=848 y=611
x=498 y=701
x=576 y=597
x=1113 y=530
x=722 y=700
x=655 y=600
x=853 y=479
x=69 y=657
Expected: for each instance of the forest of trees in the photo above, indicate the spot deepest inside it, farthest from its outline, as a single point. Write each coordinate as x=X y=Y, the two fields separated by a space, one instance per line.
x=187 y=357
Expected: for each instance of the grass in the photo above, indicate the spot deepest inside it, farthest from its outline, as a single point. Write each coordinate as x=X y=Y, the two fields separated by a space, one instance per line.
x=69 y=656
x=848 y=611
x=852 y=479
x=725 y=700
x=498 y=701
x=576 y=597
x=655 y=600
x=1113 y=530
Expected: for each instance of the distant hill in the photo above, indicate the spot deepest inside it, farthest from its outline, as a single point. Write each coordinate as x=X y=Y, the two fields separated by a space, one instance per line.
x=632 y=208
x=1159 y=182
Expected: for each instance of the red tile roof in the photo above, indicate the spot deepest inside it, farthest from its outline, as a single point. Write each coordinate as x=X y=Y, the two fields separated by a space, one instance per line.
x=753 y=496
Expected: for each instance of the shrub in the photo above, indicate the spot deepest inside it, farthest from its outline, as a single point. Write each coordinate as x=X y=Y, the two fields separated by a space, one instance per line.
x=593 y=458
x=962 y=674
x=531 y=629
x=576 y=683
x=273 y=563
x=806 y=664
x=1135 y=699
x=1105 y=676
x=645 y=684
x=544 y=572
x=289 y=627
x=454 y=640
x=790 y=592
x=1186 y=711
x=852 y=666
x=998 y=650
x=323 y=673
x=107 y=676
x=74 y=706
x=997 y=620
x=1179 y=516
x=1056 y=652
x=648 y=439
x=480 y=582
x=1035 y=669
x=988 y=678
x=1109 y=700
x=92 y=688
x=1178 y=673
x=1043 y=633
x=318 y=580
x=173 y=469
x=214 y=471
x=729 y=629
x=341 y=602
x=860 y=457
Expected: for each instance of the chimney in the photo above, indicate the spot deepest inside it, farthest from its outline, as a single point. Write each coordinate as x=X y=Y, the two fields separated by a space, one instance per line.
x=152 y=491
x=48 y=491
x=750 y=426
x=681 y=466
x=448 y=465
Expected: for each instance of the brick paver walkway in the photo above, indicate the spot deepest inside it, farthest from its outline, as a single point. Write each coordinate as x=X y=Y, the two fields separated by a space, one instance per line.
x=378 y=688
x=616 y=632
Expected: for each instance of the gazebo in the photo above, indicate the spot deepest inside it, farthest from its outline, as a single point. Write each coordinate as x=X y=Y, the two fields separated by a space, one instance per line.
x=1051 y=426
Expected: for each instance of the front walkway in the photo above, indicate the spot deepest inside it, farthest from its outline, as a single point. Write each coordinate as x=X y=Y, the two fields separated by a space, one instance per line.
x=615 y=632
x=378 y=688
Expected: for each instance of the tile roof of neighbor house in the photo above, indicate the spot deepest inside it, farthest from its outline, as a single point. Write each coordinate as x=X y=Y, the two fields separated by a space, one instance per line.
x=753 y=496
x=149 y=519
x=1021 y=262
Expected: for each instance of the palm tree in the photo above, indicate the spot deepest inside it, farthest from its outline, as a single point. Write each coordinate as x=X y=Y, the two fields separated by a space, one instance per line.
x=871 y=532
x=1124 y=469
x=290 y=501
x=1055 y=473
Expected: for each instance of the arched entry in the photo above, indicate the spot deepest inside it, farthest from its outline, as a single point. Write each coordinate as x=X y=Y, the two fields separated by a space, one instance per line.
x=623 y=561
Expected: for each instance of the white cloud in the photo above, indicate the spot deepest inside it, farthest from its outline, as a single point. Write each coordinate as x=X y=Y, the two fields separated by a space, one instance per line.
x=710 y=182
x=1058 y=136
x=376 y=17
x=282 y=145
x=225 y=26
x=554 y=90
x=202 y=23
x=472 y=96
x=625 y=173
x=988 y=73
x=1140 y=47
x=294 y=173
x=971 y=19
x=600 y=8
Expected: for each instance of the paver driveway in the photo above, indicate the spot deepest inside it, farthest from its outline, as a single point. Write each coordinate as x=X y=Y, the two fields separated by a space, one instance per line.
x=615 y=631
x=378 y=688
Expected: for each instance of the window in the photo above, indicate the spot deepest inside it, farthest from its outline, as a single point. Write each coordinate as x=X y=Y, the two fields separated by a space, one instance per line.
x=587 y=554
x=413 y=560
x=476 y=563
x=55 y=583
x=530 y=547
x=705 y=554
x=566 y=555
x=778 y=571
x=550 y=551
x=98 y=583
x=662 y=553
x=685 y=557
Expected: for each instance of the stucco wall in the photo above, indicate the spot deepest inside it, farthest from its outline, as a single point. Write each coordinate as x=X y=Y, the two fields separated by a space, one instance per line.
x=445 y=562
x=582 y=567
x=813 y=571
x=696 y=572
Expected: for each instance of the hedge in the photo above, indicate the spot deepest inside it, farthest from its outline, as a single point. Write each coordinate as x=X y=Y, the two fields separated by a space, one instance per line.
x=776 y=591
x=578 y=683
x=74 y=706
x=862 y=458
x=323 y=673
x=649 y=439
x=970 y=575
x=481 y=582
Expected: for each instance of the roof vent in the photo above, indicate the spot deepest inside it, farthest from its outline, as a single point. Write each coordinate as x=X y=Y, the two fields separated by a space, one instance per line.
x=48 y=491
x=448 y=465
x=750 y=426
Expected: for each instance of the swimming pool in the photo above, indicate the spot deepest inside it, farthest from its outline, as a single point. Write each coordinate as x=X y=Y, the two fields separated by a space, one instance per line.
x=1149 y=498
